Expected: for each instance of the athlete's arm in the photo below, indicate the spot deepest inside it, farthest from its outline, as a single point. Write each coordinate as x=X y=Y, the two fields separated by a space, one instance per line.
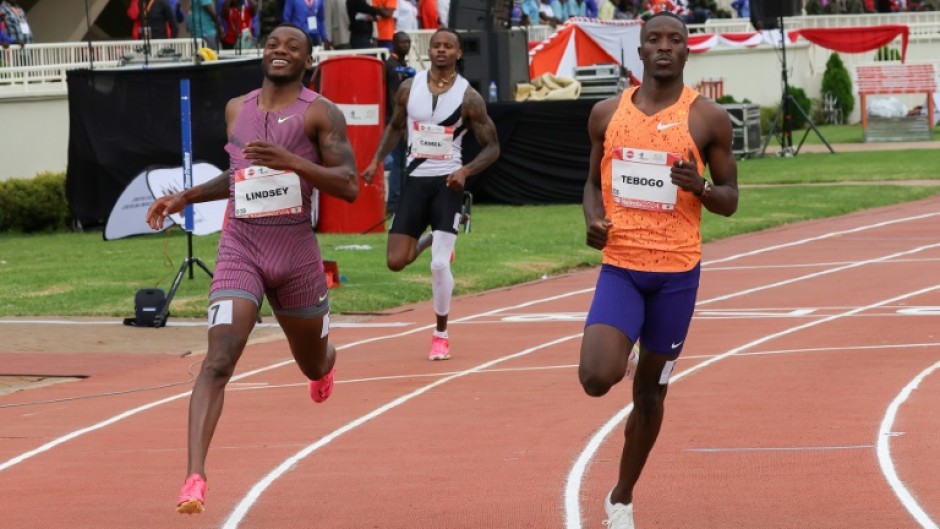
x=710 y=126
x=595 y=219
x=215 y=189
x=393 y=131
x=326 y=128
x=474 y=112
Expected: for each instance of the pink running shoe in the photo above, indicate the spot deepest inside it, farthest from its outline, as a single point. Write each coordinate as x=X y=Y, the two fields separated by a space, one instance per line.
x=193 y=496
x=320 y=390
x=440 y=348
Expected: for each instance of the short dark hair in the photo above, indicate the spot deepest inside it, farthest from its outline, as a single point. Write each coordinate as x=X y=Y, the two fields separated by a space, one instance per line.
x=452 y=32
x=298 y=28
x=668 y=14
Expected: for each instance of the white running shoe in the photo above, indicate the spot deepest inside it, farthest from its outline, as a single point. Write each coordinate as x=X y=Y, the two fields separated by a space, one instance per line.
x=619 y=516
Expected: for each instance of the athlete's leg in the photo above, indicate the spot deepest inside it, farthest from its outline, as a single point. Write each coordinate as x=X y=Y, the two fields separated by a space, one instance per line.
x=308 y=338
x=604 y=352
x=442 y=279
x=668 y=315
x=405 y=242
x=613 y=324
x=402 y=251
x=644 y=422
x=231 y=321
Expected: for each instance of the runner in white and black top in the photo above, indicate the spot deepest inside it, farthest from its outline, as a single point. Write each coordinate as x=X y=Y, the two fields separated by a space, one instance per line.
x=436 y=107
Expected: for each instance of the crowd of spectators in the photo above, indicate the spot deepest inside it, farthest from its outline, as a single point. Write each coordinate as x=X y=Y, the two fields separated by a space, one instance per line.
x=14 y=27
x=554 y=12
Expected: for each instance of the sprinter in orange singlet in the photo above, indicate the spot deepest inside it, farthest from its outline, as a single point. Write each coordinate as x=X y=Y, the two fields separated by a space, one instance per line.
x=642 y=206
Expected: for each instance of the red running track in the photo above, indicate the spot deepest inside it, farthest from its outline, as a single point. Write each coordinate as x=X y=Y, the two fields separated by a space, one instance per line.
x=806 y=397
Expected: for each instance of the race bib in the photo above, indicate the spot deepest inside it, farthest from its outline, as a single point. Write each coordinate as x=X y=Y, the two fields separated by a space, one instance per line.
x=263 y=192
x=640 y=179
x=432 y=141
x=311 y=23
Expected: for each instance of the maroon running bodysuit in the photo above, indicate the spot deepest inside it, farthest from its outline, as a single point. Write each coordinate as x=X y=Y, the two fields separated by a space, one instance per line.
x=274 y=255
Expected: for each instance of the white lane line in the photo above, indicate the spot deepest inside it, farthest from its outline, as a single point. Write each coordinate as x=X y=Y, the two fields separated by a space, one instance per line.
x=778 y=449
x=77 y=433
x=572 y=492
x=884 y=452
x=258 y=489
x=333 y=324
x=134 y=411
x=809 y=265
x=821 y=237
x=817 y=274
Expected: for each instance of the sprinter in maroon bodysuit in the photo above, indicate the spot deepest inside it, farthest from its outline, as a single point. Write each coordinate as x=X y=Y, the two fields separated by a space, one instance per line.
x=284 y=141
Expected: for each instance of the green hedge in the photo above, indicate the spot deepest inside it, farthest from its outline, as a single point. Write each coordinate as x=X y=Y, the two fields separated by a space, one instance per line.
x=34 y=204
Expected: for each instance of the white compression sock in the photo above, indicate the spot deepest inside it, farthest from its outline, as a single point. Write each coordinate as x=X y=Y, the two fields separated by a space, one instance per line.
x=442 y=280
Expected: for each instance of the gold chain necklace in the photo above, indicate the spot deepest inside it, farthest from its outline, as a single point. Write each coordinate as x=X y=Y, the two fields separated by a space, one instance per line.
x=441 y=81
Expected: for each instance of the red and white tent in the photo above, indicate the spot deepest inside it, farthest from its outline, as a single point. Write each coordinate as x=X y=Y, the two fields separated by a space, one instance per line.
x=587 y=41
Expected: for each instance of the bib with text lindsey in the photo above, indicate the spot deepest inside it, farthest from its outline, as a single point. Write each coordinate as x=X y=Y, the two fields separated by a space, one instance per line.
x=264 y=192
x=432 y=141
x=640 y=179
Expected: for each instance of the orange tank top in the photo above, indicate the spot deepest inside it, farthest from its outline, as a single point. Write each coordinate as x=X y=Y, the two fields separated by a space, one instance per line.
x=655 y=225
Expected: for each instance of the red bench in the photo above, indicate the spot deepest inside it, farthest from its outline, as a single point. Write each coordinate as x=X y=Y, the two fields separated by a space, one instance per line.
x=897 y=79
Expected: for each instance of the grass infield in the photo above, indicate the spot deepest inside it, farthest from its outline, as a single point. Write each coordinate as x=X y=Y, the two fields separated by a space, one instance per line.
x=79 y=274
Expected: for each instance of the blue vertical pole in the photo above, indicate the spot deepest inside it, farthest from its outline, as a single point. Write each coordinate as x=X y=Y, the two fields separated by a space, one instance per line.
x=186 y=130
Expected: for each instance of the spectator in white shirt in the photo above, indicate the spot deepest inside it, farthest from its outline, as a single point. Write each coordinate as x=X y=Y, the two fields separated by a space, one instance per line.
x=406 y=16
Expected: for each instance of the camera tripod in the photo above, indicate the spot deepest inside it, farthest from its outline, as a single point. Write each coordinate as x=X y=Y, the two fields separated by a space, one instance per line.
x=784 y=116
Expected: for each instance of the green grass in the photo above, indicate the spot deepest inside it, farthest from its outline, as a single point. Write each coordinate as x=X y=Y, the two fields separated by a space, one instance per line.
x=79 y=274
x=869 y=166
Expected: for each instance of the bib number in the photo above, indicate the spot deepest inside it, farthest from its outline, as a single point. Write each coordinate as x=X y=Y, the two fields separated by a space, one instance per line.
x=640 y=179
x=433 y=141
x=264 y=192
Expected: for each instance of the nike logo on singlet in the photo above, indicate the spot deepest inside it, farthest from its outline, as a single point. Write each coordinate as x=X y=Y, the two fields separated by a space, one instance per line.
x=664 y=126
x=282 y=120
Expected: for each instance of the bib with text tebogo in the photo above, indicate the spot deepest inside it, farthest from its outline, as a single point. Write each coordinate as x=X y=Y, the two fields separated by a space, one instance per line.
x=433 y=141
x=263 y=192
x=640 y=179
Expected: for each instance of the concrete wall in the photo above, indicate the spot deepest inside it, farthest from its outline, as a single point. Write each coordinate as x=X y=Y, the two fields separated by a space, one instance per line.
x=34 y=136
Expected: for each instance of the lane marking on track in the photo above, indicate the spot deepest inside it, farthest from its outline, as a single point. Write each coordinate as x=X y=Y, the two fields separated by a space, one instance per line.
x=821 y=237
x=134 y=411
x=240 y=510
x=884 y=451
x=255 y=386
x=778 y=449
x=575 y=478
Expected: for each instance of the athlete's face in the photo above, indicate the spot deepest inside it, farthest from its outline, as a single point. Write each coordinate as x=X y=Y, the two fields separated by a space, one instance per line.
x=444 y=50
x=286 y=55
x=664 y=47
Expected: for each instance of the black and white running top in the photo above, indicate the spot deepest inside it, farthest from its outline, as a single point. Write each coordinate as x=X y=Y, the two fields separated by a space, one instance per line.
x=435 y=132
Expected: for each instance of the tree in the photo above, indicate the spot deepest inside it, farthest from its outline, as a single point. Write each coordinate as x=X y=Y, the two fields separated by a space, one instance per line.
x=836 y=79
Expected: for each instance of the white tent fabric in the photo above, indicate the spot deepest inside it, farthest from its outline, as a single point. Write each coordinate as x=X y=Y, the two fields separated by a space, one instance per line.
x=587 y=41
x=128 y=216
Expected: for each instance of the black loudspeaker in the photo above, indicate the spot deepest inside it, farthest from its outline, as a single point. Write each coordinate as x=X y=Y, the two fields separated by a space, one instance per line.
x=480 y=14
x=148 y=308
x=495 y=56
x=765 y=14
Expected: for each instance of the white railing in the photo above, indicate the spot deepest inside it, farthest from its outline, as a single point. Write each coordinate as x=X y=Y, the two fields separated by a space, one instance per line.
x=926 y=23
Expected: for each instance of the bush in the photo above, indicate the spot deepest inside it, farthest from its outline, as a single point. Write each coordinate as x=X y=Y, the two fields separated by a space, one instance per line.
x=836 y=79
x=885 y=53
x=34 y=204
x=813 y=7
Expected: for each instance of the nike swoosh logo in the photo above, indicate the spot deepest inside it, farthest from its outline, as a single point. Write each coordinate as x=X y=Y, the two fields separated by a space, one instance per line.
x=664 y=126
x=677 y=345
x=282 y=120
x=322 y=298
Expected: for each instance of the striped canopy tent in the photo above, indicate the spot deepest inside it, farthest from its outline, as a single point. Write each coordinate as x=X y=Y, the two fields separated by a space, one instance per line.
x=587 y=41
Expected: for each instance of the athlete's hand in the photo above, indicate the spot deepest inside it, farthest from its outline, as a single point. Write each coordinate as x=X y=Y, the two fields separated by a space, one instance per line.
x=163 y=207
x=597 y=233
x=457 y=179
x=269 y=155
x=684 y=174
x=369 y=173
